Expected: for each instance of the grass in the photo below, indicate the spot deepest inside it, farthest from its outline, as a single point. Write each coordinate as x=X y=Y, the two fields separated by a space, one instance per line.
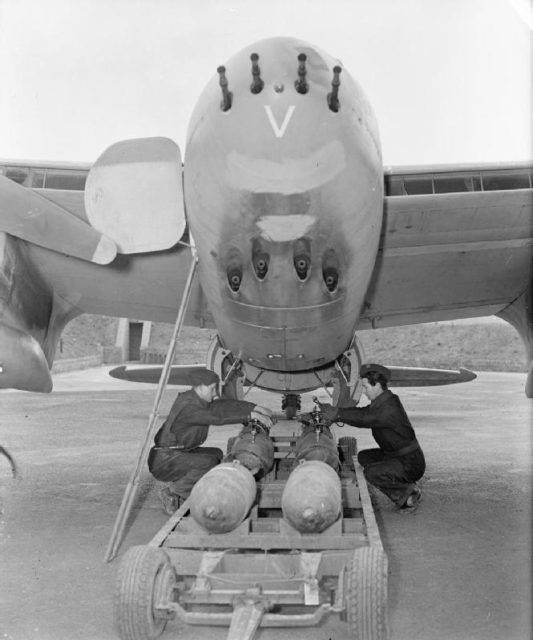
x=481 y=347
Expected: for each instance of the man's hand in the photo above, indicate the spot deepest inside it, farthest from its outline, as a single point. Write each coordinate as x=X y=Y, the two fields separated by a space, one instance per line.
x=329 y=412
x=261 y=417
x=264 y=410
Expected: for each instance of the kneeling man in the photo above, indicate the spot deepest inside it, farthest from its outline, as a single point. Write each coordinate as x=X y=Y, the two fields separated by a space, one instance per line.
x=177 y=457
x=399 y=462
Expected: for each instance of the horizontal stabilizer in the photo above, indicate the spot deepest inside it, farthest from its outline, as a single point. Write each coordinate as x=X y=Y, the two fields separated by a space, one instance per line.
x=179 y=375
x=194 y=374
x=422 y=377
x=27 y=215
x=134 y=194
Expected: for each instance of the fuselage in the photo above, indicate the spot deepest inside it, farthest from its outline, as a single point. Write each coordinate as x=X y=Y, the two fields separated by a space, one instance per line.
x=284 y=197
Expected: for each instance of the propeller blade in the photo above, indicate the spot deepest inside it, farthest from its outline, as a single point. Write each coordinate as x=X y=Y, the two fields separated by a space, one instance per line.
x=423 y=377
x=27 y=215
x=179 y=375
x=134 y=194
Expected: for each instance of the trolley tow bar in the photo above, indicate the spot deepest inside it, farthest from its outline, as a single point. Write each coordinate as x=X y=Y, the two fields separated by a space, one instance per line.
x=246 y=617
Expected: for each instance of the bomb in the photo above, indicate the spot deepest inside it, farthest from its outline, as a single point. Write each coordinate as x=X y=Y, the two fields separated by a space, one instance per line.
x=222 y=498
x=253 y=448
x=316 y=441
x=311 y=499
x=317 y=444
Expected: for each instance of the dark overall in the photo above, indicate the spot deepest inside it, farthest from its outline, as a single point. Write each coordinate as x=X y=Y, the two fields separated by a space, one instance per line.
x=399 y=462
x=177 y=456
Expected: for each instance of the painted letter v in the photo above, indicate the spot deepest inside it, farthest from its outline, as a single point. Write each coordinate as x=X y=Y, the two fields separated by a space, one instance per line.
x=279 y=131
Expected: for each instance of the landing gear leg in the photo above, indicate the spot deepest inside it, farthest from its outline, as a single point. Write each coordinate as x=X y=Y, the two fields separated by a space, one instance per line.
x=228 y=369
x=520 y=315
x=347 y=387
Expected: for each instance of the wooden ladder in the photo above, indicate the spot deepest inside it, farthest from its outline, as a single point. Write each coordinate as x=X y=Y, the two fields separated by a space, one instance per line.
x=133 y=484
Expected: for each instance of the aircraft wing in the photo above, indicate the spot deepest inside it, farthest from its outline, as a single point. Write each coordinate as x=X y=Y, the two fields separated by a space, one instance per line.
x=456 y=242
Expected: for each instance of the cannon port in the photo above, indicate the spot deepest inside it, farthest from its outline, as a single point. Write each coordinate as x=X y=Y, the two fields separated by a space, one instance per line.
x=234 y=269
x=260 y=259
x=330 y=270
x=302 y=257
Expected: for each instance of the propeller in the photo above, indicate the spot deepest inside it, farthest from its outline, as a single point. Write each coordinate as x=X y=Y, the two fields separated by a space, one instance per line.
x=27 y=215
x=134 y=194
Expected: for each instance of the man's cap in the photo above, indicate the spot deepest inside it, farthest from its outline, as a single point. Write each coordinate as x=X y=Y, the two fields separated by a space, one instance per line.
x=375 y=368
x=202 y=376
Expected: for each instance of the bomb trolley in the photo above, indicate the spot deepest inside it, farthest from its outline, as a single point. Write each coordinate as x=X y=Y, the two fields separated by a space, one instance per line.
x=264 y=573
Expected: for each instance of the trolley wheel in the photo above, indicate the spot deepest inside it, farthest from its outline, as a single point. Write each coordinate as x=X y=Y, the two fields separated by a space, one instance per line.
x=347 y=449
x=145 y=577
x=365 y=594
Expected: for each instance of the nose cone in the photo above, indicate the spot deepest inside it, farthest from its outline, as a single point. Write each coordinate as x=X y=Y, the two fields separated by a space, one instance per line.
x=264 y=75
x=22 y=362
x=278 y=120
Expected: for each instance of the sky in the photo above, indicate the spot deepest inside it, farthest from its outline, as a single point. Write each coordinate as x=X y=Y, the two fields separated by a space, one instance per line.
x=450 y=80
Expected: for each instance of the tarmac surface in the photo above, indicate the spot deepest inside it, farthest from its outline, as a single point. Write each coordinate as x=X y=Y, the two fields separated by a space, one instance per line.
x=459 y=567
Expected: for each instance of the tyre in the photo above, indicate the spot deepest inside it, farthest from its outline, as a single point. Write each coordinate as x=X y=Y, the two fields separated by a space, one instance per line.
x=347 y=449
x=145 y=577
x=365 y=594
